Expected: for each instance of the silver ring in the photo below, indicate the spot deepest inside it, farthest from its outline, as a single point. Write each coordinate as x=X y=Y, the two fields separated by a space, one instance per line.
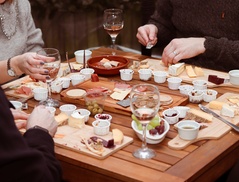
x=175 y=53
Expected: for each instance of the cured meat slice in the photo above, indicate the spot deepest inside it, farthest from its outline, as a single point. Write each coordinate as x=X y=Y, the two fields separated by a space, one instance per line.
x=23 y=90
x=122 y=85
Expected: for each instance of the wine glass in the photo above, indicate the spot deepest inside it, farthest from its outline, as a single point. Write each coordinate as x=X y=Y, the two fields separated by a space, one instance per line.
x=113 y=23
x=52 y=64
x=144 y=104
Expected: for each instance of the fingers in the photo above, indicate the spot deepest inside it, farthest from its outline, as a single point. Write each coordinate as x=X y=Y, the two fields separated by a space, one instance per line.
x=19 y=114
x=147 y=34
x=171 y=54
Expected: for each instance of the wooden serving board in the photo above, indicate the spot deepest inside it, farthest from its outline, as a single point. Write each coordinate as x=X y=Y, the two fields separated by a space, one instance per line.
x=157 y=65
x=71 y=139
x=111 y=104
x=215 y=130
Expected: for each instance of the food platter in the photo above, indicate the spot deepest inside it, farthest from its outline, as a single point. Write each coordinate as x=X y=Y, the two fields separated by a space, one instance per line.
x=95 y=63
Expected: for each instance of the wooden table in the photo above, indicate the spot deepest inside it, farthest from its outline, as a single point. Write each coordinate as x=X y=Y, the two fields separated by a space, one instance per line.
x=202 y=161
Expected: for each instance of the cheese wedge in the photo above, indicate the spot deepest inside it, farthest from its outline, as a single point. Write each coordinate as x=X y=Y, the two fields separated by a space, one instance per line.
x=76 y=120
x=190 y=71
x=217 y=105
x=114 y=63
x=61 y=119
x=199 y=116
x=118 y=136
x=176 y=69
x=199 y=71
x=228 y=111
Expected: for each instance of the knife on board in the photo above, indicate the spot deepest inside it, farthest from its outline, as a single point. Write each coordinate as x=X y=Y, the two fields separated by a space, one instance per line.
x=203 y=108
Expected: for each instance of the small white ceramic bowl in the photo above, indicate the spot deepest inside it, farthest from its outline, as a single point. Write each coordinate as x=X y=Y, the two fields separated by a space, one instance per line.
x=77 y=79
x=66 y=82
x=79 y=55
x=234 y=77
x=160 y=76
x=171 y=115
x=51 y=109
x=84 y=112
x=184 y=89
x=40 y=93
x=196 y=96
x=188 y=129
x=145 y=74
x=200 y=84
x=56 y=86
x=17 y=105
x=182 y=110
x=101 y=127
x=209 y=95
x=107 y=117
x=67 y=108
x=151 y=139
x=174 y=83
x=87 y=72
x=126 y=74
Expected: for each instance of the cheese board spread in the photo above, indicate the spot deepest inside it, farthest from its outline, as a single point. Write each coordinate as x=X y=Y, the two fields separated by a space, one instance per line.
x=74 y=138
x=215 y=128
x=111 y=102
x=187 y=73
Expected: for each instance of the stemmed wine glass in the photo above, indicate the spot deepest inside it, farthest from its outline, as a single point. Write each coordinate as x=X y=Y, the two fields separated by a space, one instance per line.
x=144 y=104
x=52 y=64
x=113 y=23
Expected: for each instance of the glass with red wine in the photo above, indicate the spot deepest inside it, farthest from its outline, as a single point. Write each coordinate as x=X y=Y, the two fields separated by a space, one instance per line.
x=113 y=24
x=52 y=62
x=144 y=104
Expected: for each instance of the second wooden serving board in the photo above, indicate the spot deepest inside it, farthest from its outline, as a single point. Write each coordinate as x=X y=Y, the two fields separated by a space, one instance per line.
x=215 y=130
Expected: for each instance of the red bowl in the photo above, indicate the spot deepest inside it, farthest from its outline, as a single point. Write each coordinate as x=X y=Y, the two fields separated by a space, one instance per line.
x=94 y=63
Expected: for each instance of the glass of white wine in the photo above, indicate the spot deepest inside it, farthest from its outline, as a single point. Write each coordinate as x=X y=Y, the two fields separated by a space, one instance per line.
x=52 y=62
x=113 y=24
x=144 y=104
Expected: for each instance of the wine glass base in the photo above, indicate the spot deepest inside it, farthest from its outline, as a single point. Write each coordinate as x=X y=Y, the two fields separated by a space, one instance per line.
x=49 y=103
x=144 y=153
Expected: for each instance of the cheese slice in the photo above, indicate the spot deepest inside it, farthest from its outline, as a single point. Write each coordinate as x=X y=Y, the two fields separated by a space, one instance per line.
x=120 y=94
x=199 y=71
x=61 y=119
x=217 y=105
x=176 y=69
x=199 y=116
x=107 y=65
x=190 y=71
x=64 y=70
x=228 y=111
x=118 y=136
x=114 y=63
x=104 y=60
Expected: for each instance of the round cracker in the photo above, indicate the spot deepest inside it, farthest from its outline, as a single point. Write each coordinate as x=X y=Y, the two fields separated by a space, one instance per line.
x=165 y=99
x=76 y=93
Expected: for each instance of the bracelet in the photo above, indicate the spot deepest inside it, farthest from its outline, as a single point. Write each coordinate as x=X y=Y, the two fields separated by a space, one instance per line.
x=38 y=127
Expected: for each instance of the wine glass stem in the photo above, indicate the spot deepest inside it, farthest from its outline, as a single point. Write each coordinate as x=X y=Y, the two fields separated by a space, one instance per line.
x=113 y=45
x=144 y=143
x=49 y=89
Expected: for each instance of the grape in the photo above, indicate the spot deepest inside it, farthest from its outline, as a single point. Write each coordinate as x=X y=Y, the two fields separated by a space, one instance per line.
x=160 y=128
x=139 y=126
x=149 y=127
x=153 y=132
x=135 y=119
x=155 y=121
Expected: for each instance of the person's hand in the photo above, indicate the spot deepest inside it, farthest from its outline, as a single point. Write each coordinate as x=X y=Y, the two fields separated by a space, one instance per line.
x=19 y=115
x=42 y=117
x=182 y=48
x=147 y=34
x=30 y=64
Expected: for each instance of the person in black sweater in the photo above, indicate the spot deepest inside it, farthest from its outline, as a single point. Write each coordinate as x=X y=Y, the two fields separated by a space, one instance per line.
x=27 y=157
x=198 y=32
